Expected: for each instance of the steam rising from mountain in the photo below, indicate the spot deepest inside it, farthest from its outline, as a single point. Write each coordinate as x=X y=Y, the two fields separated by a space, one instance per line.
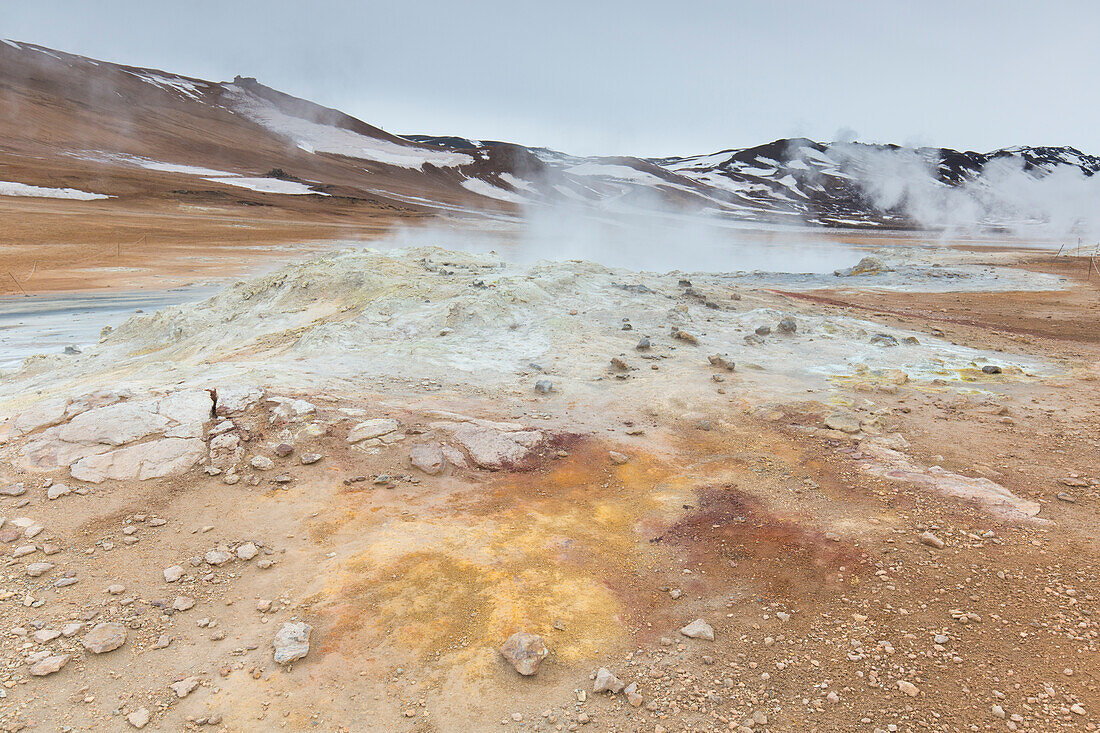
x=74 y=123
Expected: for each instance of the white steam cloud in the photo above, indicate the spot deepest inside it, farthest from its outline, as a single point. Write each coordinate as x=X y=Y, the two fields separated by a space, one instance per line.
x=1058 y=204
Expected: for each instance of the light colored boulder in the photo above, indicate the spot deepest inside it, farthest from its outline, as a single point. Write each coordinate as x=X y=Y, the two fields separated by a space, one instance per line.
x=184 y=687
x=40 y=415
x=428 y=457
x=155 y=459
x=246 y=551
x=101 y=428
x=291 y=642
x=217 y=557
x=525 y=651
x=56 y=491
x=104 y=638
x=173 y=573
x=262 y=463
x=139 y=718
x=188 y=410
x=36 y=569
x=235 y=399
x=606 y=681
x=454 y=456
x=842 y=420
x=374 y=428
x=288 y=409
x=116 y=424
x=495 y=449
x=49 y=665
x=698 y=629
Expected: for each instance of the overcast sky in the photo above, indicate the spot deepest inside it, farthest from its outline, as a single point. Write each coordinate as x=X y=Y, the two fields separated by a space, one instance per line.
x=644 y=77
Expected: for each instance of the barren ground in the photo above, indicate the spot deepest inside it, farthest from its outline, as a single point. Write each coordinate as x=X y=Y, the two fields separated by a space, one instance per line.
x=797 y=543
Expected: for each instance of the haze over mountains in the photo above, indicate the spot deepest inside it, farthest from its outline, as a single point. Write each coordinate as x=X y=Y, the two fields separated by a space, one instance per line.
x=75 y=127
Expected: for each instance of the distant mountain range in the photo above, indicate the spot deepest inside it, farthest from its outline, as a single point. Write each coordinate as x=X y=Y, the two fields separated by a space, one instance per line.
x=72 y=123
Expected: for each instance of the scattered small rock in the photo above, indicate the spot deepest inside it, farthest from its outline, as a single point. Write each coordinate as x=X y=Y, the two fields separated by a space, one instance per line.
x=698 y=629
x=908 y=688
x=184 y=687
x=139 y=718
x=49 y=665
x=104 y=638
x=291 y=642
x=932 y=540
x=606 y=681
x=618 y=458
x=884 y=339
x=36 y=569
x=722 y=361
x=525 y=651
x=217 y=557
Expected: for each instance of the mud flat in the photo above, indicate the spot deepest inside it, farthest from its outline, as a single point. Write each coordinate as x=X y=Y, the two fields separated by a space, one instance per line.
x=37 y=324
x=328 y=495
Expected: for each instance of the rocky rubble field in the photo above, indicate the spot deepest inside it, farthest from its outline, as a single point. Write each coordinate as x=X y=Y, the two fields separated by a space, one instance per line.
x=432 y=491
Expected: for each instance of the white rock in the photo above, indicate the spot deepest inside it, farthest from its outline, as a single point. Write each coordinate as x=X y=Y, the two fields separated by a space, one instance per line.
x=56 y=491
x=173 y=573
x=13 y=489
x=525 y=651
x=495 y=449
x=428 y=457
x=291 y=642
x=36 y=569
x=235 y=399
x=698 y=629
x=155 y=459
x=932 y=540
x=262 y=463
x=49 y=665
x=217 y=557
x=139 y=718
x=606 y=681
x=104 y=638
x=374 y=428
x=41 y=414
x=247 y=551
x=288 y=409
x=184 y=687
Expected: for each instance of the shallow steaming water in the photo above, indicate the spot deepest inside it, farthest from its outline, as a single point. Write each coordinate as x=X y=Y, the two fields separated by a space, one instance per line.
x=46 y=324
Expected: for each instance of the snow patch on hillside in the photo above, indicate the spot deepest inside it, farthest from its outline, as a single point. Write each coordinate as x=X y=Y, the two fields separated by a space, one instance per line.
x=267 y=185
x=10 y=188
x=314 y=137
x=186 y=87
x=482 y=188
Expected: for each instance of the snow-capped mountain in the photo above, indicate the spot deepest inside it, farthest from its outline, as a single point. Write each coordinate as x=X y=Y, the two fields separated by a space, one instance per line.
x=69 y=123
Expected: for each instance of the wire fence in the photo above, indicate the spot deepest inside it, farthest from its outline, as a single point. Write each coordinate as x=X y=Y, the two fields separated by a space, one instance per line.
x=108 y=251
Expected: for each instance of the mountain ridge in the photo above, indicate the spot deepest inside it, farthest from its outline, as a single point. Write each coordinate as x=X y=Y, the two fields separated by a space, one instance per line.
x=127 y=129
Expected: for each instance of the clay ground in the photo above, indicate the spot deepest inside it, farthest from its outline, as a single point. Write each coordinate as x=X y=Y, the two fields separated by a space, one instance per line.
x=54 y=245
x=808 y=565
